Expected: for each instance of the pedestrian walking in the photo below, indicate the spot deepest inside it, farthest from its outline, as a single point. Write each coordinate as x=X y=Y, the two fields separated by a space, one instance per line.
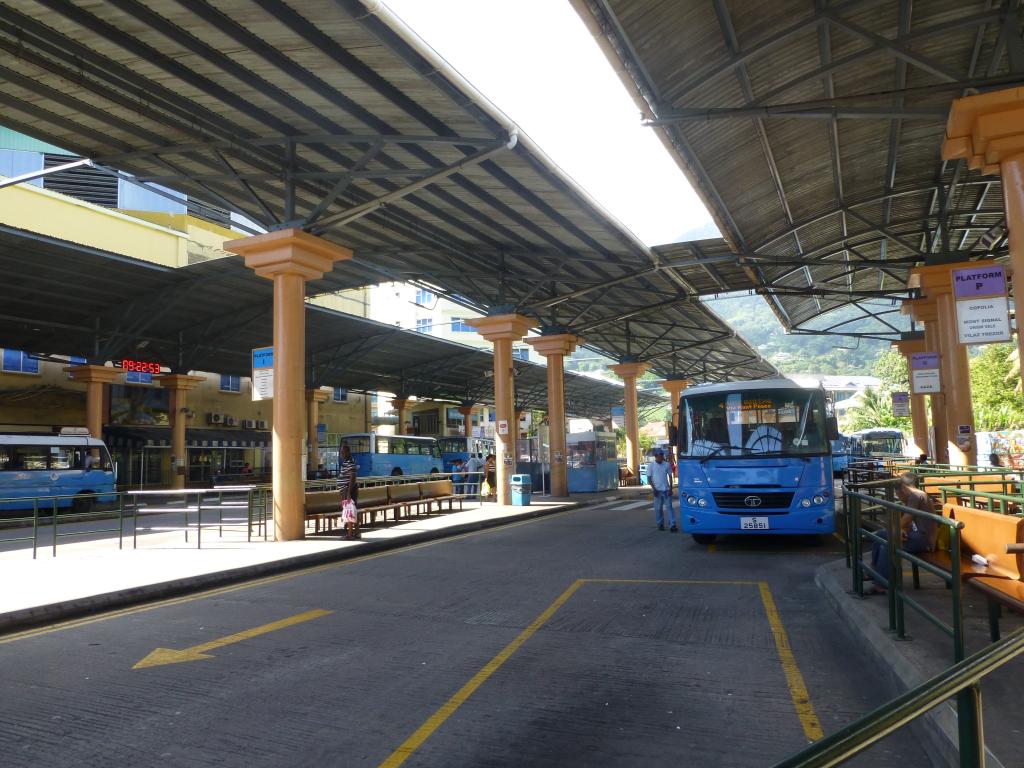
x=659 y=477
x=474 y=473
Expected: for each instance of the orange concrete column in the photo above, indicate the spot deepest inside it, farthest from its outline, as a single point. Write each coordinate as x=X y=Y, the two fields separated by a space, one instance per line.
x=401 y=405
x=555 y=347
x=95 y=378
x=467 y=418
x=313 y=399
x=987 y=130
x=179 y=384
x=289 y=257
x=935 y=283
x=675 y=388
x=502 y=330
x=918 y=406
x=629 y=372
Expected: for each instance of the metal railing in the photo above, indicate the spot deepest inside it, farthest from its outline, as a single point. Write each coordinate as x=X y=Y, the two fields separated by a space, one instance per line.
x=963 y=681
x=1008 y=504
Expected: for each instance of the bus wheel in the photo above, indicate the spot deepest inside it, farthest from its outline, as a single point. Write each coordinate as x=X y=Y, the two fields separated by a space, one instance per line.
x=396 y=472
x=81 y=504
x=704 y=538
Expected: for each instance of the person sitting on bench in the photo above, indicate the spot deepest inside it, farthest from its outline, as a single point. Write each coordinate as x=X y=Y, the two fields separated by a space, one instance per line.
x=918 y=533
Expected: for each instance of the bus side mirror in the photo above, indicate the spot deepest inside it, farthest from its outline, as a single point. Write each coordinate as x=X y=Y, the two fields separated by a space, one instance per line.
x=832 y=425
x=673 y=433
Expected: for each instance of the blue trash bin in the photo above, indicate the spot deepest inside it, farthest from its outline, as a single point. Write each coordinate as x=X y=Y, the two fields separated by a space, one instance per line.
x=522 y=489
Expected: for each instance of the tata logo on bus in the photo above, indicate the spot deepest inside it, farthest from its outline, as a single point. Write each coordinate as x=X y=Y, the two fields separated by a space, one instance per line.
x=752 y=501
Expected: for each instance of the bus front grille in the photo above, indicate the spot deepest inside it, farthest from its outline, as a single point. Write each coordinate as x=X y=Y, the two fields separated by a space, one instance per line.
x=752 y=502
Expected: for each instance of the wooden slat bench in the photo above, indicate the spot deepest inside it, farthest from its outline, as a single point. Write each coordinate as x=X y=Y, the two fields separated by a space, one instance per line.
x=397 y=498
x=325 y=506
x=998 y=539
x=984 y=483
x=440 y=491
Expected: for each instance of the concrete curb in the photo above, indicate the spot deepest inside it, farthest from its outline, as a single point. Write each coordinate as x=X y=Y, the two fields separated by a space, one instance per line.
x=937 y=730
x=27 y=618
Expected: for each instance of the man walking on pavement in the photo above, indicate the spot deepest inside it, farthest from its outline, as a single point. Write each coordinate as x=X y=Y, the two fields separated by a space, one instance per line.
x=659 y=477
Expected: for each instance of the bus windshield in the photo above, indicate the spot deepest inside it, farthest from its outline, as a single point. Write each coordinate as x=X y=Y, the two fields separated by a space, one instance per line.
x=882 y=444
x=755 y=423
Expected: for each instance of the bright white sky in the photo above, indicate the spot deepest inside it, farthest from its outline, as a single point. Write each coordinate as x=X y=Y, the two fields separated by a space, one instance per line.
x=536 y=61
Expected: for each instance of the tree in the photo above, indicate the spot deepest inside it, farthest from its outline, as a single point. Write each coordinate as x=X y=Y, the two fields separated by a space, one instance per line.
x=875 y=411
x=891 y=370
x=997 y=404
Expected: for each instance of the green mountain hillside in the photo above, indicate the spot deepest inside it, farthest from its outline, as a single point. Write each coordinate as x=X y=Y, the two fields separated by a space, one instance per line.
x=754 y=321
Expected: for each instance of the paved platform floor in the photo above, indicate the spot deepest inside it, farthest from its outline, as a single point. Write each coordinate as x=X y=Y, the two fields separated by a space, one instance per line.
x=582 y=638
x=927 y=651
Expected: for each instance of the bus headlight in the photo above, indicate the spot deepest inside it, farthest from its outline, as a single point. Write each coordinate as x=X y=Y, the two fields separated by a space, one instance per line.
x=819 y=499
x=702 y=502
x=691 y=500
x=805 y=503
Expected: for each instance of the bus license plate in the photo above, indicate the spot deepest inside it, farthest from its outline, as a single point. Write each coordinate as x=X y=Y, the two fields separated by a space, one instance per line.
x=753 y=523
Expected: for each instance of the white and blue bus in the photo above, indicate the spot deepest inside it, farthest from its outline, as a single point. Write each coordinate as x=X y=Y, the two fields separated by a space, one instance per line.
x=754 y=458
x=73 y=466
x=879 y=443
x=462 y=447
x=379 y=455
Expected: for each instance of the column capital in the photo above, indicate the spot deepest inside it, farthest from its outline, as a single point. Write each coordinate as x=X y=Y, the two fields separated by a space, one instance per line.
x=498 y=327
x=938 y=279
x=675 y=385
x=921 y=310
x=554 y=344
x=317 y=395
x=985 y=129
x=909 y=347
x=629 y=370
x=179 y=381
x=288 y=252
x=93 y=374
x=400 y=402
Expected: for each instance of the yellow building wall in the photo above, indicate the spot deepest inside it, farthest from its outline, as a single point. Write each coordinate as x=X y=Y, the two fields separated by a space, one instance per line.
x=28 y=207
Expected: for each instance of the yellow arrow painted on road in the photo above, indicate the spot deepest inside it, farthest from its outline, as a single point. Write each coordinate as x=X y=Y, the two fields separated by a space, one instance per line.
x=162 y=656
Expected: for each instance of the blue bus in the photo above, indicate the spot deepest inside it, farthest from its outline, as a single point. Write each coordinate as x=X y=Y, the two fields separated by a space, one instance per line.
x=72 y=465
x=879 y=443
x=755 y=458
x=844 y=450
x=592 y=465
x=461 y=447
x=379 y=455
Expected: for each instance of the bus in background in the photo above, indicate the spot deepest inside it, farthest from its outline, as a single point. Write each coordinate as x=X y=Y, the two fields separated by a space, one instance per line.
x=71 y=464
x=879 y=443
x=755 y=457
x=379 y=455
x=461 y=447
x=591 y=462
x=844 y=450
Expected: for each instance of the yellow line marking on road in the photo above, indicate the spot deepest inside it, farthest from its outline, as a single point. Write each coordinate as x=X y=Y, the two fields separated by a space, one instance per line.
x=447 y=709
x=259 y=582
x=797 y=689
x=160 y=656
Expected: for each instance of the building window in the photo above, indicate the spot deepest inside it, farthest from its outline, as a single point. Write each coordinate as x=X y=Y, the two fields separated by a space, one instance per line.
x=521 y=353
x=16 y=361
x=230 y=383
x=424 y=297
x=459 y=325
x=424 y=325
x=340 y=395
x=137 y=377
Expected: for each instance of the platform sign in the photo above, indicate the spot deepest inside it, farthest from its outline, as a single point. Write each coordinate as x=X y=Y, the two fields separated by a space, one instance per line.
x=502 y=426
x=263 y=373
x=982 y=307
x=900 y=404
x=619 y=416
x=924 y=373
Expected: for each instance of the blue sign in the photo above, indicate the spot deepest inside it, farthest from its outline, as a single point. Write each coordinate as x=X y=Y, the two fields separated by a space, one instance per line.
x=321 y=427
x=263 y=357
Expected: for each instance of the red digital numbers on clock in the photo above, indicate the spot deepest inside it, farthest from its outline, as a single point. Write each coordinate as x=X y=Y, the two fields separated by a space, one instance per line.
x=140 y=366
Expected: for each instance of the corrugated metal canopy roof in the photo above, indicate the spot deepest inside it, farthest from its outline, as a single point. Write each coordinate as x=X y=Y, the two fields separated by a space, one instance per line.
x=75 y=300
x=813 y=130
x=323 y=115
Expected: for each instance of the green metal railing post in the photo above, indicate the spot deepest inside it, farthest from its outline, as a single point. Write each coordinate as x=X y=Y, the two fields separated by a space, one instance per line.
x=120 y=521
x=892 y=525
x=957 y=585
x=53 y=525
x=846 y=528
x=970 y=728
x=858 y=545
x=199 y=519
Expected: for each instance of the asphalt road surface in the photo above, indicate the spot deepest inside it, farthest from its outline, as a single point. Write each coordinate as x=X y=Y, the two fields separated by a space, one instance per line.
x=587 y=638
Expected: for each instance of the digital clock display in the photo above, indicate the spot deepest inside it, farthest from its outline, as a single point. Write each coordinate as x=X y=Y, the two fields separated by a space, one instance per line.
x=140 y=366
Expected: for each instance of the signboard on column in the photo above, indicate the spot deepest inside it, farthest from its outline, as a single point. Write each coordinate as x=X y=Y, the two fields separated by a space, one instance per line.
x=924 y=373
x=263 y=373
x=982 y=308
x=900 y=404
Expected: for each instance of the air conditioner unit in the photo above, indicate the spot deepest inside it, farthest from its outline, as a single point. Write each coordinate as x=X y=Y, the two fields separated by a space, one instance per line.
x=248 y=423
x=230 y=421
x=215 y=418
x=261 y=424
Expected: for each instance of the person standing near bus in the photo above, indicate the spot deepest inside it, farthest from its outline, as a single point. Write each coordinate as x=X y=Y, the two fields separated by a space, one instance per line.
x=347 y=473
x=659 y=477
x=474 y=473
